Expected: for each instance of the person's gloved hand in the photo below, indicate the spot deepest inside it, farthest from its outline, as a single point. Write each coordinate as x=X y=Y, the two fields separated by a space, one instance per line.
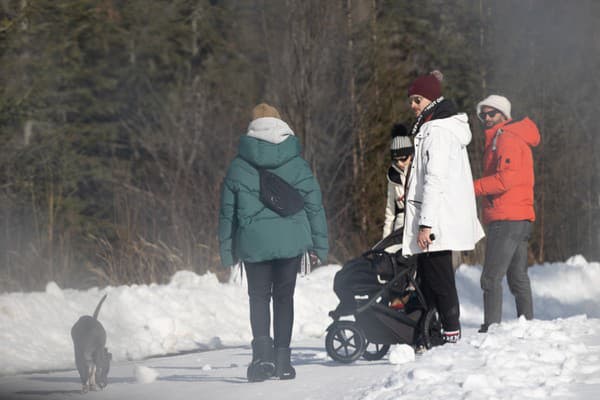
x=314 y=259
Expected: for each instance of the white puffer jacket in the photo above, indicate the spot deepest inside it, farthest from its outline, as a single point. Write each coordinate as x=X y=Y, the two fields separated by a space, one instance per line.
x=440 y=190
x=394 y=208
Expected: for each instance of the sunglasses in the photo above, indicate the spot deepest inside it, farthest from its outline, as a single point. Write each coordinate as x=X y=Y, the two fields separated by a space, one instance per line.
x=401 y=158
x=416 y=99
x=490 y=114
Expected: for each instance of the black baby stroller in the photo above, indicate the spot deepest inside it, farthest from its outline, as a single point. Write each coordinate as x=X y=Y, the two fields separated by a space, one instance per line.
x=365 y=287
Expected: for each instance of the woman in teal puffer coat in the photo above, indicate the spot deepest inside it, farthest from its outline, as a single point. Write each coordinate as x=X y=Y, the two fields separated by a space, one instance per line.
x=269 y=245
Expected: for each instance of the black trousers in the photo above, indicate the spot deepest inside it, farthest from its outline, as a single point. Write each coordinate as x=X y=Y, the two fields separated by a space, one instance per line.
x=439 y=286
x=277 y=279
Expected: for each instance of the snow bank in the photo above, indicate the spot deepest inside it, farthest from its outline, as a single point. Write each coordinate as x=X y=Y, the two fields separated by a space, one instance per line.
x=198 y=312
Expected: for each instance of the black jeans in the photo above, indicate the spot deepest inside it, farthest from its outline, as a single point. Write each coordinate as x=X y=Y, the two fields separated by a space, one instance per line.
x=277 y=279
x=439 y=286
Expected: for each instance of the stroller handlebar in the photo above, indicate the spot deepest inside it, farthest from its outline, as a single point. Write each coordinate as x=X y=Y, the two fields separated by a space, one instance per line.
x=393 y=238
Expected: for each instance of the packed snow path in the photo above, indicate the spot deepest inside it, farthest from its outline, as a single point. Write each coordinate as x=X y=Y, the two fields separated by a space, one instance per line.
x=517 y=360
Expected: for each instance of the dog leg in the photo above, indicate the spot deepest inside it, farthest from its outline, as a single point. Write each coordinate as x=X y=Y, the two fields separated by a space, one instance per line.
x=88 y=385
x=93 y=378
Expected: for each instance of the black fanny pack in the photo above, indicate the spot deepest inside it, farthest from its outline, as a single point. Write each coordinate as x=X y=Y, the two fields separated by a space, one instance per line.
x=278 y=195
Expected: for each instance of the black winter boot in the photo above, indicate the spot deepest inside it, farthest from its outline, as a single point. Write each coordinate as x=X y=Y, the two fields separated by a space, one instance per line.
x=262 y=366
x=283 y=366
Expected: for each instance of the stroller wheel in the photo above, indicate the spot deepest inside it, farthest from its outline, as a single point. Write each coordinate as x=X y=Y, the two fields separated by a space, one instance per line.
x=344 y=342
x=431 y=329
x=374 y=352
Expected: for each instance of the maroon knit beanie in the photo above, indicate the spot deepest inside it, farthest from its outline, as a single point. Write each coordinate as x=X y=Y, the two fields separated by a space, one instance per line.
x=428 y=86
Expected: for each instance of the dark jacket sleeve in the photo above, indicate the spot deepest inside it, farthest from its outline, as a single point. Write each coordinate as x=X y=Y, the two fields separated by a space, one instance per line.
x=313 y=206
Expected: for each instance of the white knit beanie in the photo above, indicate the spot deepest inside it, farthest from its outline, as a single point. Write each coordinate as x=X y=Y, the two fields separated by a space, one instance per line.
x=401 y=144
x=500 y=103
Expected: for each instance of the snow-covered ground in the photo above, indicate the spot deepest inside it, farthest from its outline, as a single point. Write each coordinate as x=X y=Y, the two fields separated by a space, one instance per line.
x=556 y=355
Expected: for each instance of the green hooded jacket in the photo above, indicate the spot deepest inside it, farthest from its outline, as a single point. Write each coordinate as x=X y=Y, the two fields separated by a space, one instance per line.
x=248 y=230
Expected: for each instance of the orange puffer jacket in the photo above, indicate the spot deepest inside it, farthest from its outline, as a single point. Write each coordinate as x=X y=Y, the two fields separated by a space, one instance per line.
x=507 y=183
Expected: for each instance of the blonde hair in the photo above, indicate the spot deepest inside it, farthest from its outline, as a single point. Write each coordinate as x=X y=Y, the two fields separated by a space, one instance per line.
x=264 y=110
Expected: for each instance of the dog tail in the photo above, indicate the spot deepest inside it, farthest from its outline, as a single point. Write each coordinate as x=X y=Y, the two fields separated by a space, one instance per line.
x=97 y=310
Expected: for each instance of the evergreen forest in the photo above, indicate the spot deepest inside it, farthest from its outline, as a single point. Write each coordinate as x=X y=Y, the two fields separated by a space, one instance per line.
x=118 y=119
